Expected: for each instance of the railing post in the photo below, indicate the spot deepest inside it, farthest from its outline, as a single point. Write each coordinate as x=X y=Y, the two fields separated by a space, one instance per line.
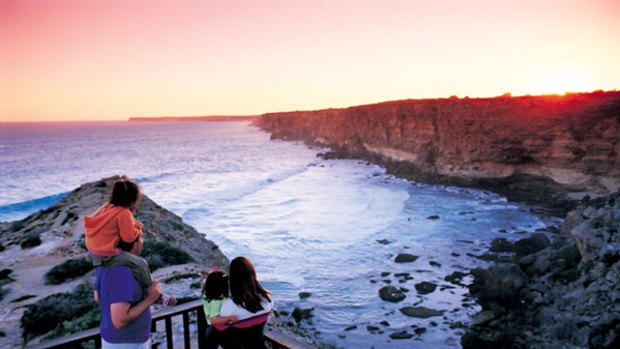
x=153 y=330
x=169 y=339
x=202 y=328
x=186 y=330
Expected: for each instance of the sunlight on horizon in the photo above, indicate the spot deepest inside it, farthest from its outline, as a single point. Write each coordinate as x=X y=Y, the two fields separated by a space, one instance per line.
x=64 y=60
x=562 y=83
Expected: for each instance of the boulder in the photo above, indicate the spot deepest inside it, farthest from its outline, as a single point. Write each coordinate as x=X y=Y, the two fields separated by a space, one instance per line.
x=421 y=312
x=401 y=335
x=501 y=283
x=483 y=317
x=425 y=287
x=593 y=234
x=405 y=258
x=391 y=294
x=501 y=245
x=302 y=314
x=532 y=244
x=455 y=278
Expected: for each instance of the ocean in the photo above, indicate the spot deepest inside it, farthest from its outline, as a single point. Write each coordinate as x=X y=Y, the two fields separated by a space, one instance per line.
x=331 y=228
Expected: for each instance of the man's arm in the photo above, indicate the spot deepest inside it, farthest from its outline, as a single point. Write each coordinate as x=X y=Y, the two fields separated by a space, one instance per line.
x=123 y=313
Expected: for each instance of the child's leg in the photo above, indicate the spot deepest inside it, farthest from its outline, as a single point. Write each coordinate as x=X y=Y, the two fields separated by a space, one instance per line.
x=139 y=267
x=99 y=260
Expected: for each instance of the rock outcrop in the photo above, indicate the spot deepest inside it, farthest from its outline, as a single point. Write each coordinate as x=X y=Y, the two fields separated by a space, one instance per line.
x=559 y=295
x=35 y=244
x=546 y=149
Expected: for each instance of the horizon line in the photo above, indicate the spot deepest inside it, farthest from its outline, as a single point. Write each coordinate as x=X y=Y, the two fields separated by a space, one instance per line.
x=129 y=119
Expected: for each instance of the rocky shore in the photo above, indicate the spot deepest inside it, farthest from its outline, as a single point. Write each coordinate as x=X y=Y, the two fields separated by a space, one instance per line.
x=561 y=293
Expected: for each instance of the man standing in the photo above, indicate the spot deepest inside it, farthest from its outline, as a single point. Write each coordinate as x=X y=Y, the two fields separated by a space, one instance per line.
x=124 y=304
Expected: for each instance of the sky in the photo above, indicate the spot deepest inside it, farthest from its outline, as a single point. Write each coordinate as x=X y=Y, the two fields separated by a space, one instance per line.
x=115 y=59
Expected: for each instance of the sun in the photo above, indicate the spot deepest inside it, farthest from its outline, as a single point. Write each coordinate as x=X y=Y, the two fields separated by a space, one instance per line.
x=561 y=83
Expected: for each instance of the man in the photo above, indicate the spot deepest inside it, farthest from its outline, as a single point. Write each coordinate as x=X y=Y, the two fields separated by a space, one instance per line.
x=124 y=304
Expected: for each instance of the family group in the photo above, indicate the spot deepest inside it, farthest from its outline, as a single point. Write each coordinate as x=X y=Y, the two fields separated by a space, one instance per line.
x=236 y=305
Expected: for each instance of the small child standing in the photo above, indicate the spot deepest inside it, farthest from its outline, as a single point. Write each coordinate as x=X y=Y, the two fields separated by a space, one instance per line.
x=214 y=292
x=114 y=222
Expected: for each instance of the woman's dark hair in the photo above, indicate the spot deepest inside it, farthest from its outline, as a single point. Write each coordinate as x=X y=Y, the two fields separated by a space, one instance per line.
x=216 y=286
x=245 y=289
x=124 y=192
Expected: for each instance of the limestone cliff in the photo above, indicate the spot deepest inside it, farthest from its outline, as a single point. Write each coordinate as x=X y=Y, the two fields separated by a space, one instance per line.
x=533 y=148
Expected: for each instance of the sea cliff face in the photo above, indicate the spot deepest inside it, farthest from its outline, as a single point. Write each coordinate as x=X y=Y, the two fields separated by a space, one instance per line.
x=533 y=148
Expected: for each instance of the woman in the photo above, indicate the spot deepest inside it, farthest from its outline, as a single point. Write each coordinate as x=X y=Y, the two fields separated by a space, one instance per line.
x=250 y=303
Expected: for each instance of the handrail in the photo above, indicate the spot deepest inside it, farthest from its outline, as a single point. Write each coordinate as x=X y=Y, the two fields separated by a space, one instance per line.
x=277 y=339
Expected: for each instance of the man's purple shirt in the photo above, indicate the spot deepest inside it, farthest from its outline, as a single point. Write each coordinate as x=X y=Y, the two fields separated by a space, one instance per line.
x=117 y=285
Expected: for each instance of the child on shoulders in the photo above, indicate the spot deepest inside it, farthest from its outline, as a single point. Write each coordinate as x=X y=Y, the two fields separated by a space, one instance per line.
x=114 y=222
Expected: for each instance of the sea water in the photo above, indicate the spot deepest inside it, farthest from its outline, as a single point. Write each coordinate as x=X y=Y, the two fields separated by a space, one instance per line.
x=331 y=228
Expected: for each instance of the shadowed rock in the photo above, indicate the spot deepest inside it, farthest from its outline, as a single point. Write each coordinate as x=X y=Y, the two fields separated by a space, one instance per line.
x=405 y=258
x=501 y=245
x=391 y=294
x=425 y=287
x=421 y=312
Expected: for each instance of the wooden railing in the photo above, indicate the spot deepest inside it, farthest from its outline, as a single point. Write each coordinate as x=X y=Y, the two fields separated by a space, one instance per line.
x=273 y=338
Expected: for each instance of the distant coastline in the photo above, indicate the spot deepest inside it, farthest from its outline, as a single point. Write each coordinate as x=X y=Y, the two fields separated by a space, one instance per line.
x=196 y=118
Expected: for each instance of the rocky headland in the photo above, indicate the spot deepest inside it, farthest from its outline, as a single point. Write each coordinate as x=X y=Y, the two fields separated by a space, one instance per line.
x=550 y=150
x=32 y=247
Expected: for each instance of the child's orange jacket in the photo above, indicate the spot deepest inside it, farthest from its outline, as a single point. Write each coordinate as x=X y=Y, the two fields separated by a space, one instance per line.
x=106 y=226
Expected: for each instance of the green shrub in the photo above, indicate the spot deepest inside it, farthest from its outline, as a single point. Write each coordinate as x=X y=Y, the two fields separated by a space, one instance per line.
x=31 y=240
x=177 y=226
x=182 y=300
x=177 y=277
x=87 y=321
x=81 y=242
x=5 y=274
x=567 y=276
x=68 y=269
x=46 y=314
x=22 y=298
x=71 y=216
x=161 y=254
x=15 y=226
x=2 y=292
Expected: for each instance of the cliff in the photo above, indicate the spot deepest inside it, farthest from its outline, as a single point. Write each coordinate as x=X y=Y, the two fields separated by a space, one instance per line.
x=544 y=149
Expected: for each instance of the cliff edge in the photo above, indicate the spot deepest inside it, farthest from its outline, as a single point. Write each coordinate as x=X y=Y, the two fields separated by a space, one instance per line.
x=552 y=150
x=46 y=277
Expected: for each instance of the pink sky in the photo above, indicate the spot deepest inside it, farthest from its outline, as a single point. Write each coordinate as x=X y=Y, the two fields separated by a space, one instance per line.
x=104 y=60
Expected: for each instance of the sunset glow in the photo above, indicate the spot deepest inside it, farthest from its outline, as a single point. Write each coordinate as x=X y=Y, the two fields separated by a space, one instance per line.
x=110 y=60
